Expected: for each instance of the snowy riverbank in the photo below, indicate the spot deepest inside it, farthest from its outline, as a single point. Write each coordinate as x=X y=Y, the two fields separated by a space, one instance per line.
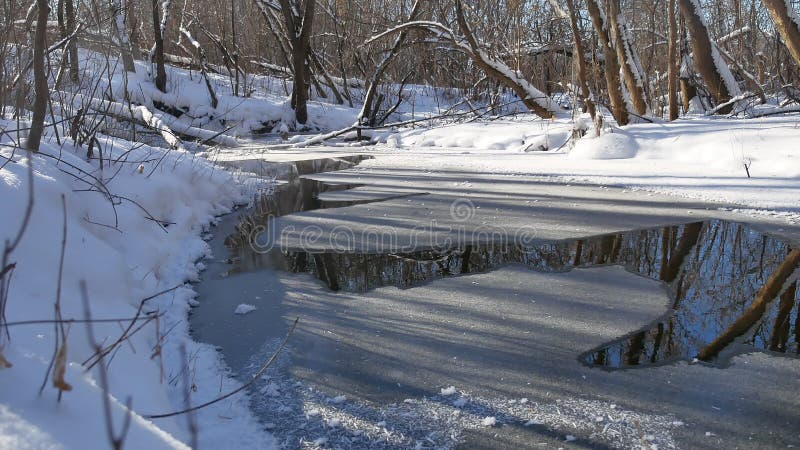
x=133 y=229
x=701 y=158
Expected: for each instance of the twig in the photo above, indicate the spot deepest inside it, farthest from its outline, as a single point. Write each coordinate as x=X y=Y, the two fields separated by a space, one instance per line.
x=187 y=400
x=116 y=440
x=58 y=324
x=237 y=390
x=68 y=321
x=127 y=333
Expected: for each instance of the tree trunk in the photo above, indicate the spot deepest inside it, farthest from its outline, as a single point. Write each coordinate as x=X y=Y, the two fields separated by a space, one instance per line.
x=157 y=56
x=72 y=47
x=328 y=80
x=628 y=60
x=302 y=83
x=579 y=57
x=299 y=30
x=688 y=90
x=62 y=29
x=132 y=19
x=672 y=61
x=39 y=77
x=611 y=66
x=787 y=26
x=235 y=49
x=707 y=60
x=120 y=9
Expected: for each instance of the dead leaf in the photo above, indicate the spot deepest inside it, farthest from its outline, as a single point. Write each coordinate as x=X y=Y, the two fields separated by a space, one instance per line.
x=60 y=369
x=4 y=364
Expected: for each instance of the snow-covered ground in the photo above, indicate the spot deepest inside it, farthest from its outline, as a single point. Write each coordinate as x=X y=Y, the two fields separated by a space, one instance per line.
x=135 y=221
x=701 y=158
x=133 y=229
x=115 y=243
x=749 y=165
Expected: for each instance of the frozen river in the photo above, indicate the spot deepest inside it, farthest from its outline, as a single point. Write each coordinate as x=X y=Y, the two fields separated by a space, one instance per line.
x=509 y=314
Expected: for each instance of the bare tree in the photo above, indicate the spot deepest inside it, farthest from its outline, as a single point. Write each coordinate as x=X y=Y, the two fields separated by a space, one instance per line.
x=610 y=64
x=380 y=69
x=535 y=100
x=119 y=10
x=787 y=26
x=627 y=57
x=72 y=46
x=298 y=27
x=157 y=52
x=672 y=62
x=579 y=57
x=715 y=72
x=42 y=92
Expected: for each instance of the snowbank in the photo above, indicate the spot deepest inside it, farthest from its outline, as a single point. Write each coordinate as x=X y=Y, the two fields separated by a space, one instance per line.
x=610 y=146
x=515 y=135
x=695 y=157
x=133 y=229
x=245 y=115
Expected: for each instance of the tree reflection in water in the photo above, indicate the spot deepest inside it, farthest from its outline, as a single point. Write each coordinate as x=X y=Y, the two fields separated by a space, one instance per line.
x=727 y=282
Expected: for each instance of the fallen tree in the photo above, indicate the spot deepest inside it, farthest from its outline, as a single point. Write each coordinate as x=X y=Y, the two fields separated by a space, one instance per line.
x=168 y=126
x=535 y=100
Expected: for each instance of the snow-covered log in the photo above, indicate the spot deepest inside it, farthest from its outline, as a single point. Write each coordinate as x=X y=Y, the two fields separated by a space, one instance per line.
x=537 y=101
x=169 y=127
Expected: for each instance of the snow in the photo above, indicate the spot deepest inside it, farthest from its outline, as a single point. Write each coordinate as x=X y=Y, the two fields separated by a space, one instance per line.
x=333 y=423
x=695 y=157
x=500 y=135
x=130 y=234
x=244 y=309
x=611 y=146
x=361 y=424
x=448 y=391
x=134 y=228
x=489 y=421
